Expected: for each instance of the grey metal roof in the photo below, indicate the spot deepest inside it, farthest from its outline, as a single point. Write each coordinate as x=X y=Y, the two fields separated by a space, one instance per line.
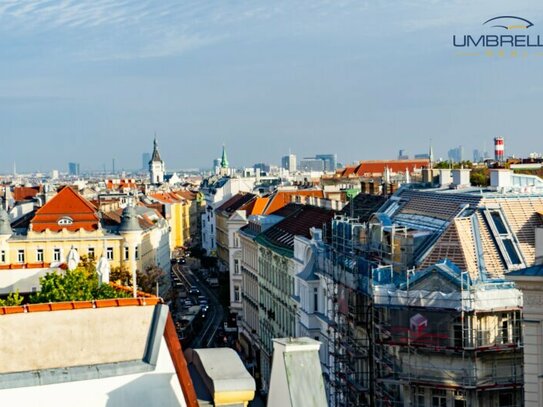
x=129 y=220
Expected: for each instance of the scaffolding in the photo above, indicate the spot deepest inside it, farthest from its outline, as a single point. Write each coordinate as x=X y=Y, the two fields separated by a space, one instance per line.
x=395 y=340
x=348 y=313
x=459 y=348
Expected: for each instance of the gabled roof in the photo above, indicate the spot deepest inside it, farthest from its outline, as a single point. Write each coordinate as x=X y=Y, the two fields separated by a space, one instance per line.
x=235 y=203
x=25 y=193
x=363 y=206
x=68 y=208
x=167 y=197
x=280 y=237
x=368 y=168
x=444 y=269
x=282 y=198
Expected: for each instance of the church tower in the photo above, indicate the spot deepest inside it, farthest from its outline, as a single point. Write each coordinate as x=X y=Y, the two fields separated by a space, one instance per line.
x=156 y=166
x=224 y=170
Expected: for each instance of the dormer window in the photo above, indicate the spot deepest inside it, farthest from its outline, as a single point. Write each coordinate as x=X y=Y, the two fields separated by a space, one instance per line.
x=65 y=220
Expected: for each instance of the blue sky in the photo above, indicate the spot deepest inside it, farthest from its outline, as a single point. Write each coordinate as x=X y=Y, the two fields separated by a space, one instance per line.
x=89 y=81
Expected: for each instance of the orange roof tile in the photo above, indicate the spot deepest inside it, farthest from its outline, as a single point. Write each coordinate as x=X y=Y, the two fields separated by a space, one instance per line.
x=69 y=206
x=259 y=205
x=24 y=193
x=368 y=168
x=282 y=198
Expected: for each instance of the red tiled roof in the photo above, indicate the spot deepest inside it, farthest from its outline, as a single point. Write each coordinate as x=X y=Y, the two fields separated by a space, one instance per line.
x=70 y=205
x=24 y=193
x=188 y=195
x=256 y=206
x=282 y=198
x=121 y=183
x=377 y=167
x=167 y=197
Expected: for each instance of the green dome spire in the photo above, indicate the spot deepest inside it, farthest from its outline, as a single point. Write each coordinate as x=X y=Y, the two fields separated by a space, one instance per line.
x=224 y=159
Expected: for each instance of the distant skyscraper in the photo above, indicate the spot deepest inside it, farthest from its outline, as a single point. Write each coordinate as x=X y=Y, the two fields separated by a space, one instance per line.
x=329 y=161
x=402 y=155
x=73 y=169
x=216 y=165
x=145 y=158
x=263 y=167
x=456 y=154
x=311 y=164
x=478 y=156
x=288 y=162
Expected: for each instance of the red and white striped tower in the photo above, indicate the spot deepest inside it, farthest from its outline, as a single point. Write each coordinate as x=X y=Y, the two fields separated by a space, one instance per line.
x=499 y=149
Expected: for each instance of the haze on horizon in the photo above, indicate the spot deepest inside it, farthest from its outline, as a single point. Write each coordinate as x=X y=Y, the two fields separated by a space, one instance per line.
x=88 y=81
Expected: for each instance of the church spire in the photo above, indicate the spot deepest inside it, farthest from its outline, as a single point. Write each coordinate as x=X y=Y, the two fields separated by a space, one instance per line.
x=156 y=155
x=224 y=159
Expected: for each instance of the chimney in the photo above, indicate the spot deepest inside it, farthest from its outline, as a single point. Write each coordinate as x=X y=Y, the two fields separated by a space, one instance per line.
x=445 y=177
x=500 y=178
x=372 y=188
x=296 y=374
x=460 y=177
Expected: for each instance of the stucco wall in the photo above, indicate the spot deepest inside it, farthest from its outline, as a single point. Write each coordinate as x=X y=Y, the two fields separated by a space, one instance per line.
x=157 y=388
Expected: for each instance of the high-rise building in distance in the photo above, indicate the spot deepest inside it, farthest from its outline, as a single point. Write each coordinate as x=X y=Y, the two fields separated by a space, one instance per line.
x=330 y=161
x=456 y=154
x=145 y=158
x=311 y=164
x=73 y=168
x=288 y=162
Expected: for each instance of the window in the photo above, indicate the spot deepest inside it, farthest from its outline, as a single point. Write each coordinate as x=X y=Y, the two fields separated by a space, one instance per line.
x=236 y=293
x=90 y=252
x=109 y=253
x=126 y=252
x=506 y=400
x=419 y=398
x=39 y=255
x=439 y=398
x=236 y=266
x=137 y=252
x=20 y=256
x=56 y=254
x=315 y=299
x=3 y=256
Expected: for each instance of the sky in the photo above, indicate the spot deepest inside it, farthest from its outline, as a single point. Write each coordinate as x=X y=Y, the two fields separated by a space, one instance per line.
x=89 y=81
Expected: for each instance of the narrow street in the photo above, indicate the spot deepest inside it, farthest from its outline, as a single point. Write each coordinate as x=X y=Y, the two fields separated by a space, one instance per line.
x=214 y=317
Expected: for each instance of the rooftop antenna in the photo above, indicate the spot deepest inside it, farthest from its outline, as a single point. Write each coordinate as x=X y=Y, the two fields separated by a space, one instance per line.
x=431 y=154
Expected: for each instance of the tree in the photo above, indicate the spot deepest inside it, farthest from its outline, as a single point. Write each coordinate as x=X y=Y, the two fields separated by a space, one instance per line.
x=14 y=298
x=80 y=284
x=120 y=275
x=148 y=279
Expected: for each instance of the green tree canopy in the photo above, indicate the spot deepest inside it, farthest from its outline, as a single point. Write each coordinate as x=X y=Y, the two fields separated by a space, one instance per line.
x=80 y=284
